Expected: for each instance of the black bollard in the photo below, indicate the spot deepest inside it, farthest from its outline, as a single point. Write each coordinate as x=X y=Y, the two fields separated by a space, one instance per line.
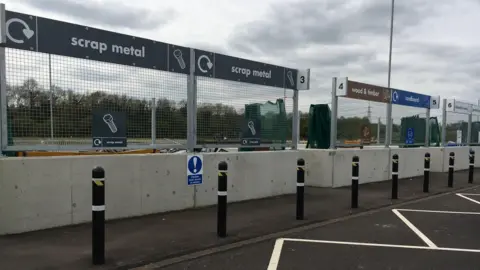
x=300 y=187
x=471 y=166
x=395 y=177
x=222 y=200
x=451 y=165
x=98 y=216
x=426 y=173
x=355 y=172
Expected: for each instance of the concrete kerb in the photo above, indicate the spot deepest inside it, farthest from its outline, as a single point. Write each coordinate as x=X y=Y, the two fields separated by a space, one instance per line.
x=297 y=229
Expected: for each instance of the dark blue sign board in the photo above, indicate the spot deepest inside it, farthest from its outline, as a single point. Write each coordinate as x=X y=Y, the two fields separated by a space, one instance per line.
x=27 y=32
x=405 y=98
x=251 y=132
x=241 y=70
x=109 y=129
x=410 y=138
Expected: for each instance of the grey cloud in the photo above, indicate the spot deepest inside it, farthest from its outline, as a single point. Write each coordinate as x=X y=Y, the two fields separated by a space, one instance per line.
x=447 y=60
x=294 y=26
x=107 y=13
x=208 y=47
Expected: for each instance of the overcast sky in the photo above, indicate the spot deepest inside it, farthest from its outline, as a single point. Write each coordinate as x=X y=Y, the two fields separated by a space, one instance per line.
x=434 y=47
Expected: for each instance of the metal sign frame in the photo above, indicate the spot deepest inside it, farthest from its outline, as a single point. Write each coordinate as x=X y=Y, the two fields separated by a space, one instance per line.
x=41 y=35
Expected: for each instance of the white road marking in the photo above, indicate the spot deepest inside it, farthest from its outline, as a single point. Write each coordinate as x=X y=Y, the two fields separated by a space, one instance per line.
x=379 y=245
x=467 y=198
x=470 y=194
x=414 y=229
x=275 y=258
x=438 y=211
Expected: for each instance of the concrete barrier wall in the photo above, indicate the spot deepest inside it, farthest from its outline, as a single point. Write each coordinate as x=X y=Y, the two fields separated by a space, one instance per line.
x=45 y=192
x=319 y=167
x=328 y=168
x=251 y=175
x=440 y=158
x=39 y=193
x=411 y=161
x=374 y=166
x=437 y=159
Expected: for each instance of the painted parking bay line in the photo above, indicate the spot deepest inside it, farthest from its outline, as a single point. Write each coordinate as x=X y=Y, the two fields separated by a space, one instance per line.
x=464 y=195
x=414 y=229
x=275 y=258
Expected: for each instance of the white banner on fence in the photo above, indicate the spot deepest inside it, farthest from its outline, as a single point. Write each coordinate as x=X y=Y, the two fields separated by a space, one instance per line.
x=458 y=107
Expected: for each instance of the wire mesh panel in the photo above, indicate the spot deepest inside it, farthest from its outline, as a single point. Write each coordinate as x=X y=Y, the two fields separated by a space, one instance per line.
x=225 y=107
x=51 y=99
x=28 y=97
x=358 y=122
x=303 y=127
x=408 y=125
x=456 y=129
x=67 y=83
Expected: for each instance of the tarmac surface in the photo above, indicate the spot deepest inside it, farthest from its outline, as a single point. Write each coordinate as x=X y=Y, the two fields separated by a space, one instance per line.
x=444 y=235
x=187 y=239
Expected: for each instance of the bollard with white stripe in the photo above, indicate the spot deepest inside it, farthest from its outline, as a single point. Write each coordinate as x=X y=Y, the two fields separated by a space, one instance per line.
x=395 y=177
x=471 y=166
x=222 y=200
x=426 y=173
x=98 y=216
x=300 y=187
x=451 y=166
x=355 y=172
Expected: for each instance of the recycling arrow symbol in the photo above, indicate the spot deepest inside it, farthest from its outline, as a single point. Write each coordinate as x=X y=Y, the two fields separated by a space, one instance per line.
x=27 y=32
x=209 y=63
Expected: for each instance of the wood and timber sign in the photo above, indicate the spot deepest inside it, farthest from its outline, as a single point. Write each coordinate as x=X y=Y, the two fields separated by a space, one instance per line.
x=362 y=91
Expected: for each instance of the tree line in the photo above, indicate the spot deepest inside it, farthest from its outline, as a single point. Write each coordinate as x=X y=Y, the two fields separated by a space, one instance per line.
x=30 y=106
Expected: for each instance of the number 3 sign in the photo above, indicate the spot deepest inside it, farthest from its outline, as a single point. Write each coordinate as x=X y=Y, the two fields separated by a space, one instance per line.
x=303 y=79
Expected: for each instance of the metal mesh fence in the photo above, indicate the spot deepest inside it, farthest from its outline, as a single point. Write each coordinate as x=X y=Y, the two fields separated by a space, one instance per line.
x=50 y=99
x=221 y=111
x=456 y=128
x=408 y=119
x=358 y=122
x=303 y=138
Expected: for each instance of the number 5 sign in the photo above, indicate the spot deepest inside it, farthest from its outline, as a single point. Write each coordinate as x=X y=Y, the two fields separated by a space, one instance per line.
x=434 y=102
x=303 y=79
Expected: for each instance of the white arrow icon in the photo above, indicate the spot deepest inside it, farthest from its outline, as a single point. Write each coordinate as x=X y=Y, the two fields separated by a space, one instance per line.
x=209 y=63
x=97 y=142
x=395 y=96
x=27 y=32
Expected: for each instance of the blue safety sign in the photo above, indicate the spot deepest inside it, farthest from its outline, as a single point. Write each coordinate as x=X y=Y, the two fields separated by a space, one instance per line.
x=410 y=136
x=194 y=169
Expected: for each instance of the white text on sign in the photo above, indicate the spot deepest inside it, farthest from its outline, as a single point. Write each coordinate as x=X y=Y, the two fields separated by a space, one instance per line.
x=247 y=72
x=102 y=47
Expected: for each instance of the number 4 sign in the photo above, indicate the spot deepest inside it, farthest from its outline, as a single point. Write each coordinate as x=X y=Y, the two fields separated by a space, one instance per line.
x=303 y=79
